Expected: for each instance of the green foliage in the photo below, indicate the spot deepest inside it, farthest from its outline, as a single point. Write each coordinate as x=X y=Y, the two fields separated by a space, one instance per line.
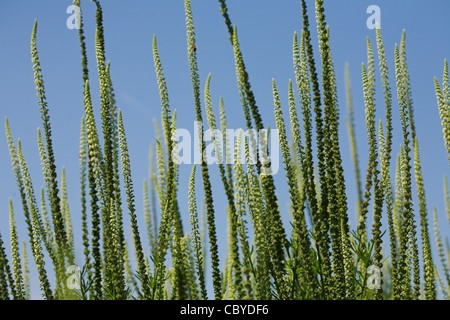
x=126 y=171
x=408 y=244
x=323 y=257
x=212 y=233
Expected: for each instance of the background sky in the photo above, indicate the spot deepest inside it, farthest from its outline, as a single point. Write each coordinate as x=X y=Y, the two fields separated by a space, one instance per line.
x=265 y=30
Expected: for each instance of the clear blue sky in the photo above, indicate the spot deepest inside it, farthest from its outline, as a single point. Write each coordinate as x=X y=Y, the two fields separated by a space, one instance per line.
x=265 y=29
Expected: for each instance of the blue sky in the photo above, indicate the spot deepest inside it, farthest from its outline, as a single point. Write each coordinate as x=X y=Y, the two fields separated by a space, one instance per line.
x=265 y=30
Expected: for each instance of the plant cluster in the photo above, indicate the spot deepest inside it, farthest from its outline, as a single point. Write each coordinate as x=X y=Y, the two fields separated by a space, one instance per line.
x=323 y=259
